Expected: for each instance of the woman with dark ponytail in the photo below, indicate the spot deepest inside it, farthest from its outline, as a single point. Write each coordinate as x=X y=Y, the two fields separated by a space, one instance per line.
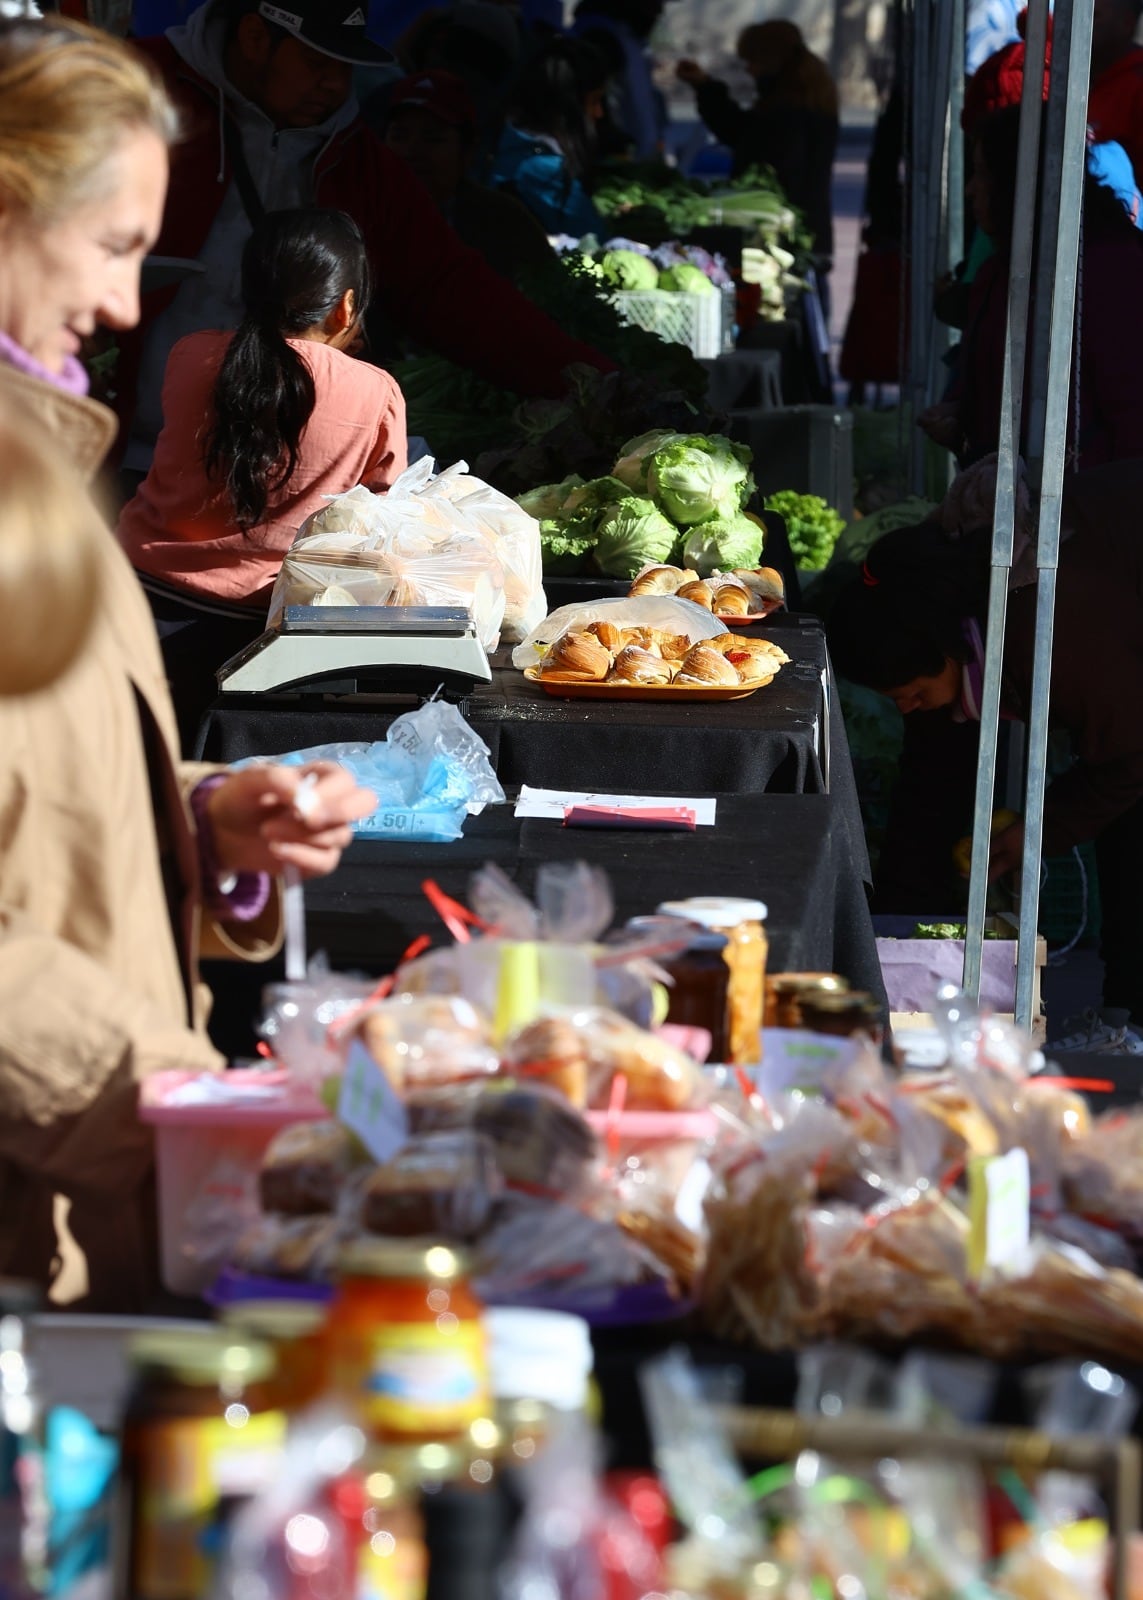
x=259 y=426
x=912 y=624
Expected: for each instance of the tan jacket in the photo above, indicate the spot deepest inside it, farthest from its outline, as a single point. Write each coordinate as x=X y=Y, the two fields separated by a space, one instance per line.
x=98 y=981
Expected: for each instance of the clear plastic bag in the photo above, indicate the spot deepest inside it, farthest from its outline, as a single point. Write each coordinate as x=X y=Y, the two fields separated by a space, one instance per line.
x=429 y=772
x=400 y=548
x=662 y=612
x=423 y=1042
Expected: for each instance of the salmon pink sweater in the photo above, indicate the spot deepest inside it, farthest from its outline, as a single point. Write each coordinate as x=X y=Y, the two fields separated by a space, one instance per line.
x=180 y=526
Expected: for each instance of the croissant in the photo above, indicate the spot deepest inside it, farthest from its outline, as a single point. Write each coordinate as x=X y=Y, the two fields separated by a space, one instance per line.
x=766 y=582
x=731 y=599
x=633 y=665
x=644 y=638
x=725 y=643
x=700 y=592
x=609 y=636
x=577 y=656
x=703 y=665
x=673 y=646
x=660 y=580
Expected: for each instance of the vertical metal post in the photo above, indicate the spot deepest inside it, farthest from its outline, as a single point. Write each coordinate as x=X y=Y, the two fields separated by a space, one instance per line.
x=1051 y=390
x=941 y=48
x=956 y=140
x=1007 y=467
x=920 y=319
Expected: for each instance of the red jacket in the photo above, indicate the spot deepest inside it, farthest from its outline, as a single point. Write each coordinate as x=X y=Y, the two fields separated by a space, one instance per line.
x=444 y=293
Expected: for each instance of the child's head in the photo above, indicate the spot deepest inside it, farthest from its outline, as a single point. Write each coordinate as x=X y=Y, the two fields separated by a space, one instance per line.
x=306 y=271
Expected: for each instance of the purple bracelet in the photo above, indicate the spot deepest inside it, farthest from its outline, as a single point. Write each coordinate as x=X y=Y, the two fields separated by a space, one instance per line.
x=228 y=897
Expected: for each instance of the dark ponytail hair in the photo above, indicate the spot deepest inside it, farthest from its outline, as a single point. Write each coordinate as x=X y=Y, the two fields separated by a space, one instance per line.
x=902 y=616
x=296 y=267
x=553 y=86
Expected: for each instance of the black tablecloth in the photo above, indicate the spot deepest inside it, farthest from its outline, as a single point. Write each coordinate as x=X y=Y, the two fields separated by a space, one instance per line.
x=791 y=851
x=769 y=741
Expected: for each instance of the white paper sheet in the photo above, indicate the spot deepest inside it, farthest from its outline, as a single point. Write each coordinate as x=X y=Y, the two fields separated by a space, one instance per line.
x=552 y=803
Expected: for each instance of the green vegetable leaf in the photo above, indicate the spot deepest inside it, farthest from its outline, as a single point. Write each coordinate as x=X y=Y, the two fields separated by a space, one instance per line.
x=632 y=535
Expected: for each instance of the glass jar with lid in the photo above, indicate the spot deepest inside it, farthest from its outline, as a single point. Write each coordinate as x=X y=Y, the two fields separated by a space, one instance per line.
x=406 y=1341
x=743 y=925
x=784 y=991
x=296 y=1330
x=846 y=1014
x=201 y=1434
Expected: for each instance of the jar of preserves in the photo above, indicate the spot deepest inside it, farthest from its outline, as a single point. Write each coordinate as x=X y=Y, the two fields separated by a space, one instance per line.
x=742 y=924
x=296 y=1330
x=200 y=1435
x=843 y=1015
x=406 y=1341
x=700 y=978
x=785 y=989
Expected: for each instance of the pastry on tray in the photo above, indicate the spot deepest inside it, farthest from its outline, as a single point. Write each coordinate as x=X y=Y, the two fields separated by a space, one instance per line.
x=700 y=593
x=652 y=658
x=577 y=657
x=731 y=599
x=634 y=665
x=662 y=580
x=703 y=665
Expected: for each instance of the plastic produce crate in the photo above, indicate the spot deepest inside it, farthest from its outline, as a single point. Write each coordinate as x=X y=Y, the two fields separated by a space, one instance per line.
x=806 y=448
x=703 y=322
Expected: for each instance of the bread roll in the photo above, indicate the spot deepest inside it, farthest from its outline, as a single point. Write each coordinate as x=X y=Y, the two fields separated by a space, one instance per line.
x=633 y=665
x=731 y=599
x=551 y=1050
x=578 y=657
x=764 y=582
x=699 y=591
x=609 y=636
x=702 y=665
x=660 y=580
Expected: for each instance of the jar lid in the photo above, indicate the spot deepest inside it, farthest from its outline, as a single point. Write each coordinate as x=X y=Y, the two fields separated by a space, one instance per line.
x=807 y=982
x=212 y=1357
x=838 y=1003
x=276 y=1319
x=715 y=911
x=401 y=1258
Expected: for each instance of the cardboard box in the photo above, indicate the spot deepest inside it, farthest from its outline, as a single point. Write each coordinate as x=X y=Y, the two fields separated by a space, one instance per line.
x=914 y=969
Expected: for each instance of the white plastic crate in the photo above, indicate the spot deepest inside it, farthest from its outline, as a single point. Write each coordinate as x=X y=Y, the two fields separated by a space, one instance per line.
x=703 y=322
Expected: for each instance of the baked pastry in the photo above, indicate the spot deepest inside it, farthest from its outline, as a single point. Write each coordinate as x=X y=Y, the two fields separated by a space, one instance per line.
x=577 y=656
x=673 y=646
x=700 y=591
x=304 y=1168
x=731 y=599
x=609 y=636
x=539 y=1142
x=633 y=665
x=421 y=1040
x=703 y=665
x=659 y=1077
x=440 y=1185
x=290 y=1247
x=728 y=644
x=645 y=638
x=766 y=583
x=552 y=1050
x=661 y=580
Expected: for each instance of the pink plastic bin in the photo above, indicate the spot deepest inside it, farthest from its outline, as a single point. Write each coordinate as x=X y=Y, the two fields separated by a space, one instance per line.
x=213 y=1145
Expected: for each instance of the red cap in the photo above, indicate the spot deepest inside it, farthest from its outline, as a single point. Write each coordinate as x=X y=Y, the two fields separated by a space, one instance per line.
x=441 y=94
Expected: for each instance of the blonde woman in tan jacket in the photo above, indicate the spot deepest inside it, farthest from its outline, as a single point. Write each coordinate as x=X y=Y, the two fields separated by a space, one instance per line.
x=119 y=864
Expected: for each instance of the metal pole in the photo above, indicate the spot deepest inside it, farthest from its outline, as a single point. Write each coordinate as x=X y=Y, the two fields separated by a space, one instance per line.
x=956 y=140
x=1053 y=392
x=920 y=232
x=941 y=48
x=1007 y=466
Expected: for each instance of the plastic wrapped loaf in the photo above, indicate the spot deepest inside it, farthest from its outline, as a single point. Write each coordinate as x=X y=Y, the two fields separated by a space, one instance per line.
x=440 y=541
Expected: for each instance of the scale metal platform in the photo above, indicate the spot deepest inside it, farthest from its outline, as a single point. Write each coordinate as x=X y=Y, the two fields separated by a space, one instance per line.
x=362 y=650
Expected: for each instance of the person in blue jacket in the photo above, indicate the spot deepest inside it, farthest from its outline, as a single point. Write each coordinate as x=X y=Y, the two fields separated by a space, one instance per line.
x=547 y=149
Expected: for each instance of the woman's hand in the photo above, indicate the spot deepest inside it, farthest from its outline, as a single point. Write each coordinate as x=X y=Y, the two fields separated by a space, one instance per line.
x=1006 y=853
x=690 y=72
x=257 y=824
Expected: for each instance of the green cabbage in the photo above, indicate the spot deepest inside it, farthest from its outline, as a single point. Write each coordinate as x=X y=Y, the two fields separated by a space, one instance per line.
x=593 y=496
x=685 y=278
x=632 y=535
x=547 y=501
x=694 y=478
x=565 y=547
x=635 y=457
x=627 y=269
x=725 y=543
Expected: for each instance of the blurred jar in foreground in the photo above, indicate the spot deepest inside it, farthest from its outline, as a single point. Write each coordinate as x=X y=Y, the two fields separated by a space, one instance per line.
x=742 y=924
x=784 y=992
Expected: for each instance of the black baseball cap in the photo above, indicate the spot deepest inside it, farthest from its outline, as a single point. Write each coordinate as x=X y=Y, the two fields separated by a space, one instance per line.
x=336 y=28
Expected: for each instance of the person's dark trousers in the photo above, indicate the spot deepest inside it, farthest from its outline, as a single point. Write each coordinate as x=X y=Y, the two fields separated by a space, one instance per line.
x=1119 y=856
x=930 y=810
x=195 y=644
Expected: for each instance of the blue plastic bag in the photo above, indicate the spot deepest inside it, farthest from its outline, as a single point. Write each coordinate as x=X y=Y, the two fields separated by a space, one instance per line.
x=428 y=773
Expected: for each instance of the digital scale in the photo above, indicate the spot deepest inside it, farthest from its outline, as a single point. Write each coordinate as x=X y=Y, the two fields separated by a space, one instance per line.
x=362 y=650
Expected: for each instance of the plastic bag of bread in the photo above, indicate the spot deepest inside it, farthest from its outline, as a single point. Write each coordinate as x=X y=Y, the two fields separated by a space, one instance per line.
x=535 y=1245
x=515 y=536
x=292 y=1247
x=583 y=1053
x=662 y=613
x=299 y=1020
x=438 y=1185
x=423 y=1041
x=305 y=1167
x=1103 y=1172
x=540 y=1143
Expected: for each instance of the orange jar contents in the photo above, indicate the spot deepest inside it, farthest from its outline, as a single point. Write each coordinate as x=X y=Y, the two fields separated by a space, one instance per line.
x=296 y=1330
x=406 y=1342
x=742 y=924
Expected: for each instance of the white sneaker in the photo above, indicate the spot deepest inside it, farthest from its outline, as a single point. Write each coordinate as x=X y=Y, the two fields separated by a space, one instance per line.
x=1103 y=1032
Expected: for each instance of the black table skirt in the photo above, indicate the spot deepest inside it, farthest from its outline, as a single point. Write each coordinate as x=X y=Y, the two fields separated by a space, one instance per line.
x=791 y=851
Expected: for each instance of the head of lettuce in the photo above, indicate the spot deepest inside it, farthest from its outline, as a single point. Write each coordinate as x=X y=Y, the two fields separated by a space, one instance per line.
x=697 y=477
x=632 y=535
